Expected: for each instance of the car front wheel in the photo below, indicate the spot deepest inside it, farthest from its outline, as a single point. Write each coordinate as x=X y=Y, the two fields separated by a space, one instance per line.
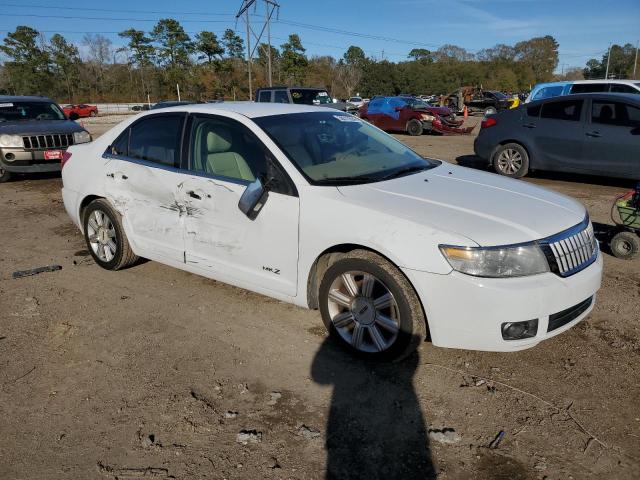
x=414 y=127
x=370 y=308
x=5 y=176
x=105 y=236
x=511 y=160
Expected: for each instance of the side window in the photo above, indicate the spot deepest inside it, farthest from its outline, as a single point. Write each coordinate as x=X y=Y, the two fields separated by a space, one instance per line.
x=157 y=139
x=280 y=96
x=615 y=113
x=224 y=147
x=622 y=88
x=589 y=87
x=534 y=111
x=265 y=96
x=121 y=145
x=567 y=110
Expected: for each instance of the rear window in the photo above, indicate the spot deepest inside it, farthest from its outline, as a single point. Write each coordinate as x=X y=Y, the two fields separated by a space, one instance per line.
x=622 y=88
x=548 y=92
x=589 y=87
x=265 y=96
x=280 y=96
x=157 y=139
x=567 y=110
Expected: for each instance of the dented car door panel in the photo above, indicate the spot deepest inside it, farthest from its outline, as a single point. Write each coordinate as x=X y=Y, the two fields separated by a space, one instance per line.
x=222 y=241
x=152 y=212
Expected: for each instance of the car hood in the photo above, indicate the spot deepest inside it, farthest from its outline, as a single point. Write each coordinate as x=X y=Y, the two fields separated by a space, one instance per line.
x=486 y=208
x=36 y=127
x=441 y=111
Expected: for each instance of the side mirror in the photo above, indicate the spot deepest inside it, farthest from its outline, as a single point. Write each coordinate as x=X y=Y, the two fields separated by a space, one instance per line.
x=74 y=116
x=253 y=199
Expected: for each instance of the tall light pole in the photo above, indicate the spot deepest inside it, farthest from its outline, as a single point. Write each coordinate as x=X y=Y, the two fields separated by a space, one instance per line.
x=606 y=75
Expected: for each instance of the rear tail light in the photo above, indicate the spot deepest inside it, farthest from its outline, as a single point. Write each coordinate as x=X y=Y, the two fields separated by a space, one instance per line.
x=488 y=122
x=65 y=158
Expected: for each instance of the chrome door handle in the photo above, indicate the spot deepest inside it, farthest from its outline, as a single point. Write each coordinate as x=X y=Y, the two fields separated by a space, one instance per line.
x=529 y=125
x=593 y=134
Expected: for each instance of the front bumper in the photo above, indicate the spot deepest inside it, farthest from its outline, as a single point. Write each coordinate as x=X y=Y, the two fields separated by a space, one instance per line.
x=28 y=161
x=467 y=312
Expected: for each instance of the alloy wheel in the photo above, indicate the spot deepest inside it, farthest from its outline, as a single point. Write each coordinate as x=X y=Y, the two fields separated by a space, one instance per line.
x=363 y=311
x=102 y=236
x=509 y=161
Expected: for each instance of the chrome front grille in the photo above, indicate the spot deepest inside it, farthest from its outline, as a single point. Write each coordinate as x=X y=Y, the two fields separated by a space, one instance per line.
x=573 y=250
x=54 y=140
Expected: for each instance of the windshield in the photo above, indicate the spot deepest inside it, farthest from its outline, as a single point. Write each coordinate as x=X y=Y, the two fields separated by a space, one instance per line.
x=417 y=103
x=338 y=148
x=310 y=97
x=18 y=111
x=355 y=99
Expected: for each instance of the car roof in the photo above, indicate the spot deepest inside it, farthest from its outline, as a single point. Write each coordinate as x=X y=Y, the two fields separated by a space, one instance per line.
x=24 y=98
x=248 y=109
x=602 y=80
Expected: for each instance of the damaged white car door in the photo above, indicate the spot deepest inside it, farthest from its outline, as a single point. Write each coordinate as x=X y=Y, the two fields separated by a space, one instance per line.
x=224 y=157
x=142 y=183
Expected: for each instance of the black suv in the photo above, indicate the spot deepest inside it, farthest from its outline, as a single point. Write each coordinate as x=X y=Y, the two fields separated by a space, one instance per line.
x=34 y=134
x=302 y=96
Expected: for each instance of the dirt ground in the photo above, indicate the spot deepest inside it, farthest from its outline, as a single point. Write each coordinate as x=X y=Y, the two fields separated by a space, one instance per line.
x=154 y=372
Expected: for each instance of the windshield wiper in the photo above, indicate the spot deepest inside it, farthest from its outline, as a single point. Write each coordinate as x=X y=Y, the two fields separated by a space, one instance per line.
x=404 y=171
x=347 y=180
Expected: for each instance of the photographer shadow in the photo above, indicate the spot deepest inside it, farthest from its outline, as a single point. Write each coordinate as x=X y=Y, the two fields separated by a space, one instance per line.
x=375 y=428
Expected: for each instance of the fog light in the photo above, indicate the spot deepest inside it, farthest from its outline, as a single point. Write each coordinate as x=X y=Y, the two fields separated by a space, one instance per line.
x=9 y=156
x=519 y=330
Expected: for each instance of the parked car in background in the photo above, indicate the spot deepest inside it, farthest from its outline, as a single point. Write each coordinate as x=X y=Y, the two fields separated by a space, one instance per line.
x=558 y=89
x=595 y=134
x=34 y=135
x=478 y=100
x=171 y=103
x=81 y=109
x=410 y=115
x=356 y=101
x=316 y=207
x=302 y=96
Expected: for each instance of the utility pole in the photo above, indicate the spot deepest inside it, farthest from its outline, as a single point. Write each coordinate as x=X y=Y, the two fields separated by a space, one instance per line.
x=606 y=75
x=271 y=6
x=635 y=63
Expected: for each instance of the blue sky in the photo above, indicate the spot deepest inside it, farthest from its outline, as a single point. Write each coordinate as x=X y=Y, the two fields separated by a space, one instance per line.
x=583 y=28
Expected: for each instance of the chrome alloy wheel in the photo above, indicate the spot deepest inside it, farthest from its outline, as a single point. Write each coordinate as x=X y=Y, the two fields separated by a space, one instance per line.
x=363 y=311
x=509 y=161
x=102 y=236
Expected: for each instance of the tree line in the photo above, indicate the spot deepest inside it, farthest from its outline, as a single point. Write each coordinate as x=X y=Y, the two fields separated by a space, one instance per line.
x=207 y=66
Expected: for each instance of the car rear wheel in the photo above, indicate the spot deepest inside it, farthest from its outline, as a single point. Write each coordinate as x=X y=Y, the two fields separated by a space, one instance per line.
x=369 y=307
x=414 y=127
x=511 y=160
x=5 y=176
x=105 y=236
x=625 y=245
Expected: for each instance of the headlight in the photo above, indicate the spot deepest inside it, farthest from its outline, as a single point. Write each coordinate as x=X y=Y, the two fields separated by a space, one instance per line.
x=81 y=137
x=426 y=116
x=11 y=141
x=497 y=262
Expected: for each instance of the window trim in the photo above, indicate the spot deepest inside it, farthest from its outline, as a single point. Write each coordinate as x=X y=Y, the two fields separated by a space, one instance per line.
x=590 y=113
x=187 y=143
x=565 y=99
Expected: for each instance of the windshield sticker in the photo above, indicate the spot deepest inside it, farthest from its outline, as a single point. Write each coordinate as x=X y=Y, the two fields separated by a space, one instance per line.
x=6 y=105
x=347 y=118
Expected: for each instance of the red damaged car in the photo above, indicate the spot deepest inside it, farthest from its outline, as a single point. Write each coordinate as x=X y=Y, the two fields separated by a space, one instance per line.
x=411 y=115
x=82 y=109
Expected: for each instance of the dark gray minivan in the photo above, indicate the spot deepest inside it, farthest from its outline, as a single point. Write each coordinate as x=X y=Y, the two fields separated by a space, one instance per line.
x=594 y=134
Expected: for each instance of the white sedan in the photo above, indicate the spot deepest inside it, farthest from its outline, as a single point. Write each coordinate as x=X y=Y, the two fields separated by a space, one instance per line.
x=318 y=208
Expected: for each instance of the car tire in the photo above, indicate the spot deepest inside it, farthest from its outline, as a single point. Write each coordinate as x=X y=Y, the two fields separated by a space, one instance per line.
x=510 y=160
x=625 y=245
x=370 y=308
x=490 y=111
x=5 y=175
x=93 y=113
x=414 y=127
x=106 y=241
